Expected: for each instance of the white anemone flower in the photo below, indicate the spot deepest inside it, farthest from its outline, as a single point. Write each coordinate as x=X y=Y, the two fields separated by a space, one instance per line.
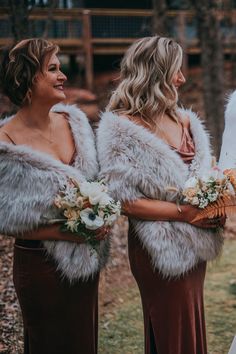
x=91 y=220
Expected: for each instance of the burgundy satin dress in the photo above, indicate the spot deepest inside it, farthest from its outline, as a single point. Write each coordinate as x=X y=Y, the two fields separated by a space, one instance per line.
x=58 y=317
x=172 y=308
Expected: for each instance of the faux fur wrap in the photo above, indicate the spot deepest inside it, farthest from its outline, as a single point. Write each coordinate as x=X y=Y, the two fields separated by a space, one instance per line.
x=29 y=183
x=137 y=164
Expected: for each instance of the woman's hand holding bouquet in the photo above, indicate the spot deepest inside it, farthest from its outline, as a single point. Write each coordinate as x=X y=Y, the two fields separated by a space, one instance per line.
x=87 y=210
x=193 y=216
x=214 y=194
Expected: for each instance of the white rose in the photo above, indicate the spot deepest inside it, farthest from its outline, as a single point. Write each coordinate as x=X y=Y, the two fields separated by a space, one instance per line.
x=85 y=188
x=90 y=219
x=105 y=199
x=90 y=188
x=96 y=192
x=99 y=198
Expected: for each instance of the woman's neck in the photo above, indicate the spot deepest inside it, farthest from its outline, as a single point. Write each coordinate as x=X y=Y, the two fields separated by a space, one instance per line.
x=34 y=116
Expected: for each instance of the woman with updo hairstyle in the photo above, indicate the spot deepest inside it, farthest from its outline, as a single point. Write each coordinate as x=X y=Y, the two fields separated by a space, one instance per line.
x=44 y=144
x=147 y=148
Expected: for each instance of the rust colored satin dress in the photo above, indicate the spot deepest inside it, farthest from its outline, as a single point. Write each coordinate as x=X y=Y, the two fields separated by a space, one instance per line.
x=59 y=318
x=173 y=309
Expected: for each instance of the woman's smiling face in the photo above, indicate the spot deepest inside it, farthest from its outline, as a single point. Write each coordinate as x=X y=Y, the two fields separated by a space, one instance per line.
x=48 y=84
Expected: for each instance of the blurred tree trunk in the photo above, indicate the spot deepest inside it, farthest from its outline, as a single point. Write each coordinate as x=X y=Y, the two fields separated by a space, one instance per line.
x=52 y=4
x=160 y=23
x=212 y=59
x=230 y=23
x=19 y=11
x=19 y=17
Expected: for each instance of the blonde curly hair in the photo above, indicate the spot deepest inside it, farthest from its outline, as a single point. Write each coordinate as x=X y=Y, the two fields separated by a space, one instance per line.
x=146 y=87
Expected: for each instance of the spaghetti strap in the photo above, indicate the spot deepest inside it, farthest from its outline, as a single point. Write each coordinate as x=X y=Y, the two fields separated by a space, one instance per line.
x=187 y=147
x=12 y=141
x=72 y=159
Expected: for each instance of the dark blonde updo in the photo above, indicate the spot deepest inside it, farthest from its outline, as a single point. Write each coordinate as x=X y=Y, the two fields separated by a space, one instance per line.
x=19 y=66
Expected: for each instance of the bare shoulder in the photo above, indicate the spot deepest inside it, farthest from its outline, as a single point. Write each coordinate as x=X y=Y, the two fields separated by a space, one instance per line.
x=136 y=119
x=60 y=119
x=127 y=117
x=61 y=128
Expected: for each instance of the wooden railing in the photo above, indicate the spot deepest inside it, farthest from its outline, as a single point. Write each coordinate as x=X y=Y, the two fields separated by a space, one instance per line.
x=72 y=42
x=107 y=31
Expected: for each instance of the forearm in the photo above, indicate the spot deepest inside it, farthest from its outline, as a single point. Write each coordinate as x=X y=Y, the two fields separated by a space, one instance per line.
x=51 y=233
x=156 y=210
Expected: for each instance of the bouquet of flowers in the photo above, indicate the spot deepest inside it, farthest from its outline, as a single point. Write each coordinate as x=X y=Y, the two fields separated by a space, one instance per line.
x=86 y=207
x=213 y=192
x=217 y=194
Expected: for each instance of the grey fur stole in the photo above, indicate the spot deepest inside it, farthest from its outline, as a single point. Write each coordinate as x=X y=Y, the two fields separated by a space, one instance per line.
x=137 y=164
x=30 y=181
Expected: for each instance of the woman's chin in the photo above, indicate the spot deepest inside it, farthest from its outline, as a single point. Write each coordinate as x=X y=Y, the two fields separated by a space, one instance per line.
x=58 y=98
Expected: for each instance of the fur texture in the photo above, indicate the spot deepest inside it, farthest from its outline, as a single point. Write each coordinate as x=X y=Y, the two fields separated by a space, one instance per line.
x=228 y=148
x=30 y=181
x=138 y=164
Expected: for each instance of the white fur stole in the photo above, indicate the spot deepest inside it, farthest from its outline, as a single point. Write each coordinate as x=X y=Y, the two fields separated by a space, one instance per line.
x=30 y=181
x=137 y=164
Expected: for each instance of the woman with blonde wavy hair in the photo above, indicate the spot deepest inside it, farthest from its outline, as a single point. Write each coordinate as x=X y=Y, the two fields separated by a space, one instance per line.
x=147 y=148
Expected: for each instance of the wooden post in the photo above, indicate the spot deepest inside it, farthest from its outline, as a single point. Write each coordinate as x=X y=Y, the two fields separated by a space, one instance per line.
x=182 y=39
x=87 y=43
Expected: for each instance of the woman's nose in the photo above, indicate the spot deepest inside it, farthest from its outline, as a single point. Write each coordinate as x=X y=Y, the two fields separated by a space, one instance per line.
x=62 y=76
x=181 y=78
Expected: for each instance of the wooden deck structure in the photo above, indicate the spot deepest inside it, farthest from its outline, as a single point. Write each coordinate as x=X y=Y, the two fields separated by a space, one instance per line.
x=108 y=31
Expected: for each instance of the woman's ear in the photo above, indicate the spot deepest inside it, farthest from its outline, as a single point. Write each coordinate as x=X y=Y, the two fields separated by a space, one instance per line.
x=28 y=97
